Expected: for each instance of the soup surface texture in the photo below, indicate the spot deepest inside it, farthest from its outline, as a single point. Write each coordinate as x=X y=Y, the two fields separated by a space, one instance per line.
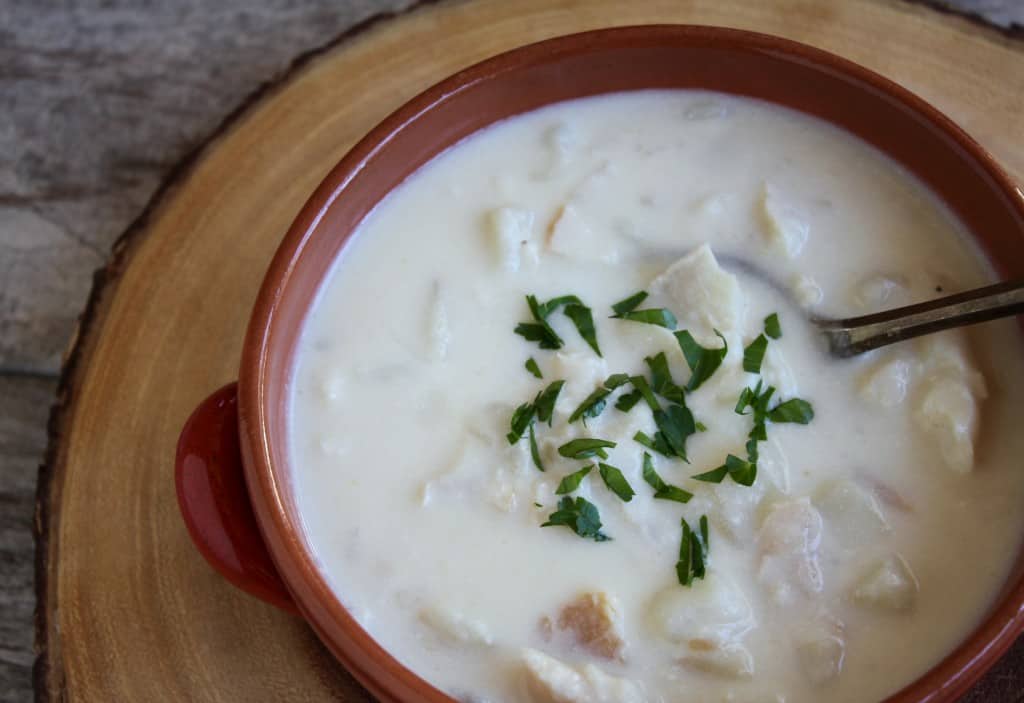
x=857 y=522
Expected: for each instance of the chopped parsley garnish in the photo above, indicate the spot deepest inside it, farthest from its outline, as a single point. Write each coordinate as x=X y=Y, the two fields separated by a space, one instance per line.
x=521 y=419
x=641 y=385
x=658 y=443
x=661 y=379
x=585 y=447
x=793 y=410
x=584 y=320
x=702 y=361
x=571 y=482
x=740 y=471
x=693 y=553
x=532 y=367
x=629 y=304
x=594 y=404
x=579 y=515
x=772 y=328
x=627 y=401
x=540 y=330
x=651 y=316
x=753 y=355
x=675 y=424
x=662 y=490
x=616 y=482
x=534 y=452
x=545 y=401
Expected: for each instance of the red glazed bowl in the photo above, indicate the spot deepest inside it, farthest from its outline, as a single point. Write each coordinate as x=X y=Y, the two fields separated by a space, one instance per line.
x=232 y=470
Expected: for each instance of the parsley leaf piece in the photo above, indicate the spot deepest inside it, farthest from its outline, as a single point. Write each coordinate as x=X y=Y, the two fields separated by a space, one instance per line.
x=521 y=419
x=753 y=355
x=651 y=316
x=579 y=515
x=629 y=304
x=760 y=433
x=752 y=452
x=693 y=553
x=616 y=482
x=676 y=425
x=571 y=482
x=713 y=476
x=627 y=401
x=545 y=401
x=585 y=447
x=539 y=332
x=584 y=320
x=702 y=362
x=545 y=309
x=742 y=472
x=616 y=380
x=656 y=444
x=772 y=328
x=661 y=379
x=531 y=366
x=793 y=410
x=641 y=385
x=534 y=452
x=662 y=490
x=592 y=405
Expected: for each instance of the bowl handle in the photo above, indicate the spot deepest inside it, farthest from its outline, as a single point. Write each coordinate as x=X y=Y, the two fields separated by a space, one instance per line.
x=214 y=500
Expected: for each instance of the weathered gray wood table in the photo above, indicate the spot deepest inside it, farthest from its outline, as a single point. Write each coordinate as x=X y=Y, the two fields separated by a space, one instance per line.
x=97 y=105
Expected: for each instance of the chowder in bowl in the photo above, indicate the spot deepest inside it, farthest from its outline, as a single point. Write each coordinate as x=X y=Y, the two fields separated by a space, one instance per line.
x=530 y=409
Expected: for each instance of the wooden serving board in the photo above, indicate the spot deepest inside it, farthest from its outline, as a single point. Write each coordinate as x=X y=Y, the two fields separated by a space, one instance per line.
x=128 y=610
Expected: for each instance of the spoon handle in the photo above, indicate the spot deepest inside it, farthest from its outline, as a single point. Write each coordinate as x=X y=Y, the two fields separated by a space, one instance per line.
x=860 y=334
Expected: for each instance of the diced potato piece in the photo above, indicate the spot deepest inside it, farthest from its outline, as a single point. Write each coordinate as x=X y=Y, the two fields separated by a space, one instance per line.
x=726 y=660
x=820 y=649
x=561 y=141
x=890 y=584
x=510 y=231
x=946 y=353
x=789 y=540
x=455 y=628
x=880 y=292
x=949 y=413
x=786 y=226
x=708 y=622
x=549 y=680
x=886 y=382
x=701 y=293
x=852 y=512
x=582 y=371
x=806 y=290
x=595 y=623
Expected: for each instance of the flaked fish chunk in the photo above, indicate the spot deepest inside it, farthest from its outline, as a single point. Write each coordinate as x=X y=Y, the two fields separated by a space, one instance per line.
x=702 y=295
x=549 y=680
x=510 y=234
x=706 y=623
x=886 y=383
x=789 y=542
x=581 y=227
x=820 y=648
x=785 y=225
x=880 y=292
x=948 y=412
x=454 y=627
x=889 y=584
x=806 y=290
x=852 y=512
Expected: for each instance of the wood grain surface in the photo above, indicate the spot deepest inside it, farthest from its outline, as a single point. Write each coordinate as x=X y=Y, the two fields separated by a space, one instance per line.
x=128 y=609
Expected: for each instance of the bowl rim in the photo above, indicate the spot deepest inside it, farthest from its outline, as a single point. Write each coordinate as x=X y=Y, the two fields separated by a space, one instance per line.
x=372 y=665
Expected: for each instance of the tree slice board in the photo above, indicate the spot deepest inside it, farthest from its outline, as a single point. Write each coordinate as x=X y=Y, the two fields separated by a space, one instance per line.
x=128 y=610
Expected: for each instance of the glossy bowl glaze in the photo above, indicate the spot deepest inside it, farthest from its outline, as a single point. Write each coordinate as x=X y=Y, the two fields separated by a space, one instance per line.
x=236 y=538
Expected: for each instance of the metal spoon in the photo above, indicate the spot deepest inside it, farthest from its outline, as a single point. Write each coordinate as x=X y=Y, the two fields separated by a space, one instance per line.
x=855 y=335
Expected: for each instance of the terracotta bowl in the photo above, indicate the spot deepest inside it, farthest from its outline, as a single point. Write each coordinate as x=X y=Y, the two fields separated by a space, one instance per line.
x=233 y=477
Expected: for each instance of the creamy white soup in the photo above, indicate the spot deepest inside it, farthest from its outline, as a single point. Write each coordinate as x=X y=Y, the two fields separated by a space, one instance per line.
x=515 y=516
